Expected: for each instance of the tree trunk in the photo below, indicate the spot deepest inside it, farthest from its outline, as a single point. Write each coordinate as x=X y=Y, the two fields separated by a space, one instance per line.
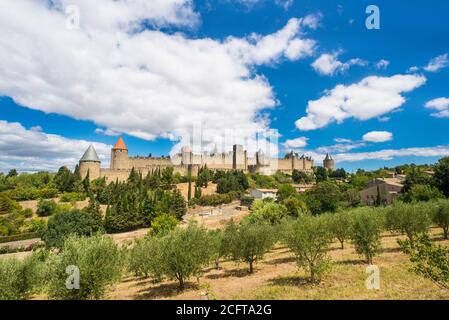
x=250 y=267
x=342 y=244
x=181 y=284
x=446 y=233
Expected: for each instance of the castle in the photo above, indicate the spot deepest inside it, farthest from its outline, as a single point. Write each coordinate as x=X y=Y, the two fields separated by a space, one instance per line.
x=237 y=159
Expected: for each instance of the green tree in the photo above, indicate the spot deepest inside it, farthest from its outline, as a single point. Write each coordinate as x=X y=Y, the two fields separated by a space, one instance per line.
x=441 y=216
x=94 y=211
x=365 y=233
x=163 y=224
x=340 y=224
x=7 y=205
x=98 y=260
x=295 y=206
x=285 y=191
x=323 y=197
x=145 y=258
x=46 y=208
x=321 y=174
x=177 y=204
x=219 y=249
x=309 y=239
x=299 y=176
x=415 y=176
x=441 y=176
x=270 y=212
x=64 y=224
x=185 y=252
x=421 y=192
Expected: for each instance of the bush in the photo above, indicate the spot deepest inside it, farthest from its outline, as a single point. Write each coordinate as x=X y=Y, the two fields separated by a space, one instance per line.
x=409 y=219
x=270 y=212
x=185 y=252
x=429 y=260
x=64 y=224
x=441 y=216
x=285 y=191
x=19 y=279
x=48 y=193
x=145 y=258
x=309 y=240
x=163 y=224
x=324 y=197
x=73 y=197
x=421 y=192
x=340 y=224
x=247 y=201
x=365 y=233
x=46 y=208
x=249 y=242
x=7 y=205
x=295 y=207
x=99 y=261
x=213 y=199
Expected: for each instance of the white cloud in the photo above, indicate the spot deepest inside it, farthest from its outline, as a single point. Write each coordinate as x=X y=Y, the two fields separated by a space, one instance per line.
x=34 y=150
x=377 y=136
x=286 y=4
x=107 y=132
x=413 y=69
x=437 y=63
x=382 y=64
x=145 y=83
x=340 y=147
x=342 y=140
x=371 y=97
x=300 y=142
x=441 y=105
x=328 y=64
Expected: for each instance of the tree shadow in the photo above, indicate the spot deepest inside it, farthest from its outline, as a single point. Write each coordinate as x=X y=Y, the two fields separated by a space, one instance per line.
x=391 y=250
x=165 y=290
x=296 y=281
x=351 y=262
x=280 y=260
x=236 y=273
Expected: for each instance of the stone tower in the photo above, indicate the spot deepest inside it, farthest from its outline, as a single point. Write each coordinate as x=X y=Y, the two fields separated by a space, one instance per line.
x=119 y=156
x=90 y=163
x=329 y=163
x=239 y=157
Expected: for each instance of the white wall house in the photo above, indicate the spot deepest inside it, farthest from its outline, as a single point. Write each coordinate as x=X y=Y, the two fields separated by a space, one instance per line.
x=264 y=193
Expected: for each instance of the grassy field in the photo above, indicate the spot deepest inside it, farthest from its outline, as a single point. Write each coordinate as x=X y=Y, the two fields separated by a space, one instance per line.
x=277 y=277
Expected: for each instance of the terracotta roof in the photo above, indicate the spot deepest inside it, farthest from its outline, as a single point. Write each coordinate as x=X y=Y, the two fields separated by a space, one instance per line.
x=120 y=145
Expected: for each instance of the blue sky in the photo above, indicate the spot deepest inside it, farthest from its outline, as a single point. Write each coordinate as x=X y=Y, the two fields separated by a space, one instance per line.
x=62 y=89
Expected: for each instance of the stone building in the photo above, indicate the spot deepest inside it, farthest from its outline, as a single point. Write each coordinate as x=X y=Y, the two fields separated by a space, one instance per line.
x=329 y=163
x=237 y=159
x=386 y=189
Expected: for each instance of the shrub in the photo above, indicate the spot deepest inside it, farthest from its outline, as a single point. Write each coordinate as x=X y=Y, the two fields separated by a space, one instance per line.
x=421 y=192
x=73 y=197
x=163 y=224
x=250 y=242
x=46 y=208
x=409 y=219
x=285 y=191
x=247 y=201
x=48 y=193
x=64 y=224
x=309 y=239
x=145 y=258
x=365 y=233
x=7 y=205
x=270 y=212
x=99 y=261
x=340 y=224
x=429 y=260
x=441 y=216
x=185 y=252
x=295 y=206
x=19 y=279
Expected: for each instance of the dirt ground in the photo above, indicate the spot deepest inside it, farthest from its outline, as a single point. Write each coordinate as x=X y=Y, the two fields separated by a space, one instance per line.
x=184 y=188
x=278 y=277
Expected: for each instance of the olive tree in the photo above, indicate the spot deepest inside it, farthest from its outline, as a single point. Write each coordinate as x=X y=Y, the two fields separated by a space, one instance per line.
x=340 y=225
x=441 y=216
x=366 y=232
x=99 y=261
x=145 y=258
x=309 y=239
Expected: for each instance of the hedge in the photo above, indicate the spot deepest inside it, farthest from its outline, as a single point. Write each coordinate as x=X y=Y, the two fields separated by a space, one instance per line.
x=19 y=237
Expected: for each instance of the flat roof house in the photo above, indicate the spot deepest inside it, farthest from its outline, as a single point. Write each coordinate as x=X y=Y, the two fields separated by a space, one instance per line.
x=264 y=193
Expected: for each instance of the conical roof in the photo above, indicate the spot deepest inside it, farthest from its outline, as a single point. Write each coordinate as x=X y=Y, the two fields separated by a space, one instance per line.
x=120 y=145
x=328 y=157
x=90 y=155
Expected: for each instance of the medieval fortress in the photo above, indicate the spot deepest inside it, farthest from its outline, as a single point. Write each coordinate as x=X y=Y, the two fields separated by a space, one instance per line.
x=237 y=159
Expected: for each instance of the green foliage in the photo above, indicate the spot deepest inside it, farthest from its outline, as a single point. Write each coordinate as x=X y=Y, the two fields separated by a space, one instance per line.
x=73 y=197
x=441 y=216
x=46 y=208
x=323 y=197
x=99 y=261
x=301 y=177
x=66 y=181
x=321 y=174
x=247 y=201
x=185 y=252
x=218 y=246
x=163 y=224
x=232 y=181
x=286 y=191
x=441 y=176
x=366 y=230
x=295 y=207
x=249 y=242
x=214 y=199
x=340 y=224
x=20 y=279
x=352 y=197
x=177 y=204
x=429 y=260
x=421 y=192
x=64 y=224
x=309 y=239
x=7 y=205
x=257 y=180
x=339 y=173
x=94 y=212
x=203 y=178
x=415 y=176
x=145 y=258
x=269 y=212
x=409 y=219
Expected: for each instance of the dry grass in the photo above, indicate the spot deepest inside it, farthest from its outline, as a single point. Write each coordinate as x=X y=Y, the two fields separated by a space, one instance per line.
x=184 y=188
x=277 y=277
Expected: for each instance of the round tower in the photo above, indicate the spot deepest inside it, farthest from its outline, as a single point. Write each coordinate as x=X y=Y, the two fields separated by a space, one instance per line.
x=329 y=163
x=90 y=163
x=119 y=156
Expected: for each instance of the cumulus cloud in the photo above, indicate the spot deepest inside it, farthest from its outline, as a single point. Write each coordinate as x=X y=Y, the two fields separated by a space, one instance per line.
x=34 y=150
x=437 y=63
x=371 y=97
x=143 y=82
x=377 y=136
x=328 y=64
x=300 y=142
x=441 y=105
x=382 y=64
x=340 y=147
